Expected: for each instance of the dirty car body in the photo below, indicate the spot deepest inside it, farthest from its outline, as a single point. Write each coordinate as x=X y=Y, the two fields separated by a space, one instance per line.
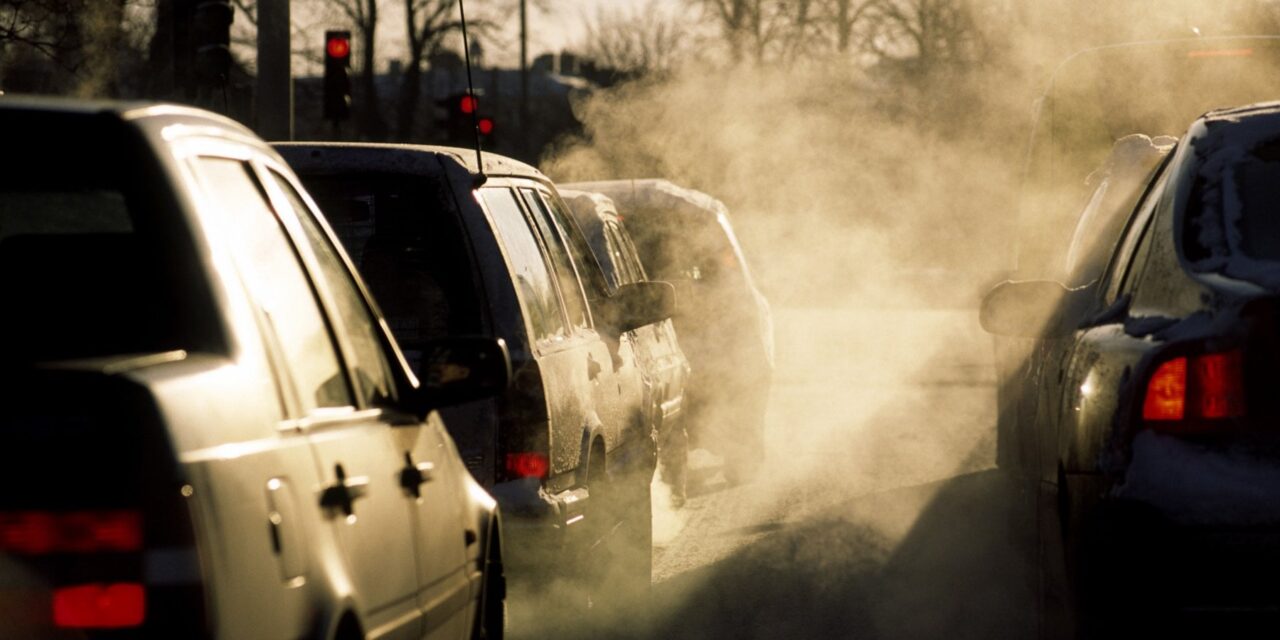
x=664 y=366
x=724 y=322
x=1148 y=429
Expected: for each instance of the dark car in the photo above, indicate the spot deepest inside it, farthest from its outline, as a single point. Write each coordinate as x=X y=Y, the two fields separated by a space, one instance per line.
x=1148 y=430
x=726 y=329
x=664 y=365
x=569 y=452
x=207 y=429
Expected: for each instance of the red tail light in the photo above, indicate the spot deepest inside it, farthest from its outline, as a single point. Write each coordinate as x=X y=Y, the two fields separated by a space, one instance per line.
x=100 y=606
x=45 y=532
x=527 y=465
x=1187 y=390
x=1167 y=392
x=1220 y=53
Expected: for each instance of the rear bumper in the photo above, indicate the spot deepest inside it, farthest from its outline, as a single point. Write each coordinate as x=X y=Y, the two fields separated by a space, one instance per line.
x=538 y=526
x=1135 y=555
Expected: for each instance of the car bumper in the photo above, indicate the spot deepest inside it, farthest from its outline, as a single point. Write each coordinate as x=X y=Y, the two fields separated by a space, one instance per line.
x=539 y=527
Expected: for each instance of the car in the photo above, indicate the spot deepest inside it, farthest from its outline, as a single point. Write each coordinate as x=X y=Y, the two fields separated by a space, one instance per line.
x=569 y=451
x=663 y=363
x=208 y=430
x=1149 y=442
x=725 y=325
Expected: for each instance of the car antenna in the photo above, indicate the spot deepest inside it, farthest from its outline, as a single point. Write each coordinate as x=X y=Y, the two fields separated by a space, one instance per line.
x=471 y=92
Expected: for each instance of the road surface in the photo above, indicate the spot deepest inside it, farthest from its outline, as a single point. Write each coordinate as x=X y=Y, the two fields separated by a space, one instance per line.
x=878 y=513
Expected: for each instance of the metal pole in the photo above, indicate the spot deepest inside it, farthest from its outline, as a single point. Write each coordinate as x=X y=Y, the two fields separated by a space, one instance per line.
x=274 y=100
x=524 y=69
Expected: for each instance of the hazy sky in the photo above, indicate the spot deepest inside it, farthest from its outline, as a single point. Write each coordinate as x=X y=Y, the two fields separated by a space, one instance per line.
x=560 y=26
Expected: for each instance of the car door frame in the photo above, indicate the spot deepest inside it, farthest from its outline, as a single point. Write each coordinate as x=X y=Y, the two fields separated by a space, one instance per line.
x=437 y=524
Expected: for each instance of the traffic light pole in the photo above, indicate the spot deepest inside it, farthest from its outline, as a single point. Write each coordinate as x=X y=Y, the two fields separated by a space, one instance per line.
x=274 y=99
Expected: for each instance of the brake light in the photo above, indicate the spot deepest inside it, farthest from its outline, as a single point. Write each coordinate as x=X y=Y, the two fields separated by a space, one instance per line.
x=1167 y=391
x=100 y=606
x=1186 y=390
x=1220 y=53
x=528 y=465
x=45 y=532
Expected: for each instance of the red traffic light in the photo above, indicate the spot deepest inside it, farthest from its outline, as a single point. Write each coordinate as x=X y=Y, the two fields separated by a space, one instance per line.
x=337 y=46
x=485 y=125
x=468 y=104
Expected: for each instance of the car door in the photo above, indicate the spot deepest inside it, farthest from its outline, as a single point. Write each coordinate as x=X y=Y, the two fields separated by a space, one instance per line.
x=418 y=454
x=359 y=495
x=656 y=345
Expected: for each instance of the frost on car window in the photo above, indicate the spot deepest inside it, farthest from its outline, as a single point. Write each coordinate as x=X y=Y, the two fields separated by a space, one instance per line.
x=1229 y=222
x=1232 y=212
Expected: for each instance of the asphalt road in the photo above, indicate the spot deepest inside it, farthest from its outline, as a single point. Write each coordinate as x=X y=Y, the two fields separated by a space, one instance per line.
x=878 y=513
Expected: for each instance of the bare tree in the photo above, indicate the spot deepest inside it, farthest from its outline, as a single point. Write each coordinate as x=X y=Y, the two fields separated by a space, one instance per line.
x=64 y=46
x=427 y=24
x=642 y=41
x=924 y=35
x=844 y=16
x=769 y=30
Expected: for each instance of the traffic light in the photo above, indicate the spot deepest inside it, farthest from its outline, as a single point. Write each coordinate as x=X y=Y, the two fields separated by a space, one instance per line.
x=337 y=85
x=211 y=39
x=462 y=118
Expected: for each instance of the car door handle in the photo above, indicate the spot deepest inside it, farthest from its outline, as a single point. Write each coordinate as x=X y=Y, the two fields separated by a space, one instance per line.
x=413 y=476
x=341 y=495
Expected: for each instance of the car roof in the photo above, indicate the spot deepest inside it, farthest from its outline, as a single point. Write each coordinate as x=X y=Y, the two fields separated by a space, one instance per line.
x=634 y=197
x=124 y=110
x=409 y=158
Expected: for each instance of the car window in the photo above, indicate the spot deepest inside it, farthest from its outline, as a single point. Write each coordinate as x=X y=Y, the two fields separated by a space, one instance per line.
x=524 y=257
x=368 y=360
x=403 y=234
x=588 y=267
x=632 y=254
x=271 y=271
x=625 y=264
x=570 y=286
x=1138 y=228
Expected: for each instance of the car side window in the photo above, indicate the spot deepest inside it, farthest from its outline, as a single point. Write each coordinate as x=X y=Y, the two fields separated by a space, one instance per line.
x=588 y=267
x=570 y=285
x=528 y=266
x=271 y=271
x=1128 y=251
x=623 y=255
x=368 y=360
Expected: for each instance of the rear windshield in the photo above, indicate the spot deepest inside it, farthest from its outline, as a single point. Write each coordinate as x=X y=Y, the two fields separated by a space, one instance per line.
x=673 y=246
x=403 y=234
x=89 y=266
x=1234 y=208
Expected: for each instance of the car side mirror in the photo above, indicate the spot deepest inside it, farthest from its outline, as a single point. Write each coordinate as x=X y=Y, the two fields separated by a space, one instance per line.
x=455 y=370
x=1033 y=309
x=638 y=304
